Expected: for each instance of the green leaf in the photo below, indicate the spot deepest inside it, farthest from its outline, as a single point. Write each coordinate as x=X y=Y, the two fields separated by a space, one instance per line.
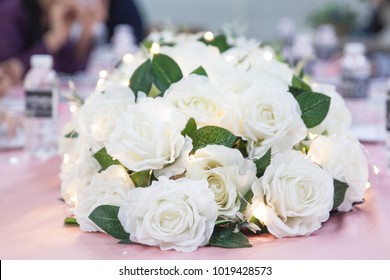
x=314 y=107
x=299 y=83
x=200 y=71
x=279 y=57
x=262 y=163
x=142 y=78
x=190 y=127
x=260 y=224
x=222 y=222
x=147 y=43
x=125 y=241
x=104 y=159
x=296 y=91
x=209 y=135
x=106 y=217
x=166 y=72
x=72 y=134
x=70 y=221
x=340 y=188
x=219 y=41
x=247 y=199
x=226 y=238
x=142 y=178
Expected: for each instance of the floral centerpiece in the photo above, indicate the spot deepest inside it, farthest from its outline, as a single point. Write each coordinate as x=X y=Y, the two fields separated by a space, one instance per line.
x=203 y=140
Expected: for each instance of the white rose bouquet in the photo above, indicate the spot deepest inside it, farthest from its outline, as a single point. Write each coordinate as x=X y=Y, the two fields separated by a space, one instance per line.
x=202 y=140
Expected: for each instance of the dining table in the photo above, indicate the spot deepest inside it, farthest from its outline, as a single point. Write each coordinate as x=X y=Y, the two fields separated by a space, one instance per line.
x=32 y=226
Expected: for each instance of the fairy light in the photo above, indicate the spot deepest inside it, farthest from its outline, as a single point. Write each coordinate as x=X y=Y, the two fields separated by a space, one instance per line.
x=268 y=55
x=73 y=108
x=128 y=58
x=260 y=212
x=66 y=158
x=376 y=169
x=209 y=36
x=103 y=74
x=314 y=85
x=368 y=185
x=155 y=49
x=229 y=58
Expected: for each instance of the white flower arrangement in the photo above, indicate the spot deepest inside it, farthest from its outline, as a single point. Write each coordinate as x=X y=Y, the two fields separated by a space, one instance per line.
x=200 y=139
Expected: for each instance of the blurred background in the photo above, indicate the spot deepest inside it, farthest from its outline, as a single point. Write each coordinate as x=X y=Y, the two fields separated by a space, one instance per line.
x=257 y=18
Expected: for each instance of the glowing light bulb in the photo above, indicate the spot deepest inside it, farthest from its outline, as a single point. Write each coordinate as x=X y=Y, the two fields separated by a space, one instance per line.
x=376 y=170
x=268 y=55
x=66 y=158
x=128 y=58
x=260 y=212
x=209 y=36
x=229 y=58
x=73 y=108
x=103 y=74
x=155 y=49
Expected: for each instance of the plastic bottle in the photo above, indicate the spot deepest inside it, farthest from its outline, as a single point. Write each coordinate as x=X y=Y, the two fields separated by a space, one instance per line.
x=41 y=104
x=325 y=42
x=355 y=71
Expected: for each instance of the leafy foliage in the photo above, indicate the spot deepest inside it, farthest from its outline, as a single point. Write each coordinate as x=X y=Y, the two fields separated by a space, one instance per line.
x=104 y=159
x=226 y=238
x=106 y=217
x=209 y=135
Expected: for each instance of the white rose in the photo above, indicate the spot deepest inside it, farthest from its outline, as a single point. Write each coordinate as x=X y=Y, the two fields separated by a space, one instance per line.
x=260 y=61
x=268 y=117
x=339 y=117
x=99 y=115
x=192 y=54
x=110 y=187
x=343 y=157
x=179 y=166
x=228 y=174
x=148 y=136
x=195 y=97
x=77 y=169
x=294 y=196
x=171 y=214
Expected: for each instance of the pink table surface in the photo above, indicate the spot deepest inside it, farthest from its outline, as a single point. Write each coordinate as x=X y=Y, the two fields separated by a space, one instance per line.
x=31 y=225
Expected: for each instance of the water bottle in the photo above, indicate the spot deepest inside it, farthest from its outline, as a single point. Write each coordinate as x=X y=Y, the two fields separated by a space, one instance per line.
x=355 y=71
x=41 y=105
x=325 y=42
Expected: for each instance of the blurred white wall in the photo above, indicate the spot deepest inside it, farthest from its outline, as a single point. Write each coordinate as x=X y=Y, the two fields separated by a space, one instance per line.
x=259 y=17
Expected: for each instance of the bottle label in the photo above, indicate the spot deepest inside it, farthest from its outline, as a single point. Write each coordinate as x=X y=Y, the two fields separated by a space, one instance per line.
x=39 y=103
x=354 y=87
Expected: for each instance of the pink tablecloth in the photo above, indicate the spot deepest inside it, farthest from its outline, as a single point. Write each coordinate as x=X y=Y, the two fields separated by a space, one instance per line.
x=31 y=218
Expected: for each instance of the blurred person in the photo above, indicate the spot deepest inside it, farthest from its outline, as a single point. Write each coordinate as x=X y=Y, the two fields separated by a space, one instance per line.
x=378 y=42
x=125 y=12
x=30 y=27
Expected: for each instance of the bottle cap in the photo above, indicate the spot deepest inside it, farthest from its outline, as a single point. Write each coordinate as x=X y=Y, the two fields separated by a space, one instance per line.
x=41 y=61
